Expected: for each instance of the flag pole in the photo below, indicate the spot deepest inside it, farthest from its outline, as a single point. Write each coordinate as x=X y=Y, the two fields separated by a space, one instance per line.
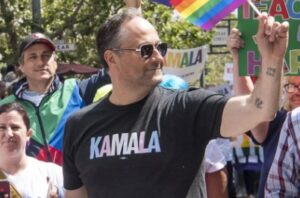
x=254 y=7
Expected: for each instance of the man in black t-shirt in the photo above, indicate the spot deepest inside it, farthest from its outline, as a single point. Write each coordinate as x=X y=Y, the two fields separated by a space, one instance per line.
x=143 y=140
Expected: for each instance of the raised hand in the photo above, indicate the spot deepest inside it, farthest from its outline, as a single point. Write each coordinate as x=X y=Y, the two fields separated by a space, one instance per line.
x=234 y=41
x=272 y=37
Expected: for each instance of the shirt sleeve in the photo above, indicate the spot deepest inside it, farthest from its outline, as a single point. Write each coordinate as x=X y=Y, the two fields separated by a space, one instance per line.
x=214 y=159
x=200 y=110
x=206 y=109
x=72 y=180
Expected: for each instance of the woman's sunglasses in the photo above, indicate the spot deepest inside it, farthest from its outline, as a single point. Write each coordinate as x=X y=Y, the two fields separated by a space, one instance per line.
x=146 y=50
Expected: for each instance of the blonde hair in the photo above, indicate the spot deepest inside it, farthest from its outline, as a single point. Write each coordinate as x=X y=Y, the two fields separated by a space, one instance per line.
x=285 y=100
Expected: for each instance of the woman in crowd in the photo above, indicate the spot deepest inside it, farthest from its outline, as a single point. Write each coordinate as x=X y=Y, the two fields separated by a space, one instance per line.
x=27 y=176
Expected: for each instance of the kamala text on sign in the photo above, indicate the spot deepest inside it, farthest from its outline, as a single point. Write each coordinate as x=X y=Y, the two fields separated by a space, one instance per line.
x=186 y=63
x=289 y=10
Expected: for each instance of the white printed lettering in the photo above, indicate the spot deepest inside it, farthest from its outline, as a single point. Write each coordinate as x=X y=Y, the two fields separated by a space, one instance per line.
x=94 y=149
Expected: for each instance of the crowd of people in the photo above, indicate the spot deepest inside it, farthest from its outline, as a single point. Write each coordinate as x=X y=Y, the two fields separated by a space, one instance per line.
x=131 y=131
x=8 y=77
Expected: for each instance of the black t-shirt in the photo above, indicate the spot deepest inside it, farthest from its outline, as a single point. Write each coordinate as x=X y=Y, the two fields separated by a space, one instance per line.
x=152 y=148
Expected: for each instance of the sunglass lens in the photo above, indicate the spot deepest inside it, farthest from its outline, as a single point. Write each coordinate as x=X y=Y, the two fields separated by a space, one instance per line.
x=146 y=50
x=162 y=48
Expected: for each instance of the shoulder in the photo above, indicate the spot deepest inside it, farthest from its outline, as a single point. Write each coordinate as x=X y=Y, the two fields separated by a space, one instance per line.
x=34 y=161
x=8 y=99
x=295 y=114
x=70 y=82
x=196 y=95
x=293 y=122
x=101 y=77
x=85 y=112
x=44 y=167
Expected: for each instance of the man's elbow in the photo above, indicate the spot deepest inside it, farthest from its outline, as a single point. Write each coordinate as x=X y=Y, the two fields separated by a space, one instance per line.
x=268 y=116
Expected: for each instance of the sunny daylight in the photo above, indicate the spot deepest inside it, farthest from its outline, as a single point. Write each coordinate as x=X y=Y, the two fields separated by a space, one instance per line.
x=149 y=98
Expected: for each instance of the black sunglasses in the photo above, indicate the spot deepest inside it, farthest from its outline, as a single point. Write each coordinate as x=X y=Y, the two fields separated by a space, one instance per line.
x=147 y=49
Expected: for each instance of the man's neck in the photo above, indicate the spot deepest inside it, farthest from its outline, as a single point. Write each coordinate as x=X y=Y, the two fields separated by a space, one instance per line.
x=125 y=96
x=40 y=87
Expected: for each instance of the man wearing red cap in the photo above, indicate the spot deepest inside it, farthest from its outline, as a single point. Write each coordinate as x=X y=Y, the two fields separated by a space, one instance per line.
x=48 y=101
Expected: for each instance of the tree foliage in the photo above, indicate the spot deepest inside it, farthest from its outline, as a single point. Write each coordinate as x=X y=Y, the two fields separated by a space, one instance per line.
x=77 y=22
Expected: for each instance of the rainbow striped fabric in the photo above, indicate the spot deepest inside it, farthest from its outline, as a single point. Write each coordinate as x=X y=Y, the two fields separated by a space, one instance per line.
x=203 y=13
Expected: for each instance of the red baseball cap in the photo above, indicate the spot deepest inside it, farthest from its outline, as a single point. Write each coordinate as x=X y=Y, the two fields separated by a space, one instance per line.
x=35 y=38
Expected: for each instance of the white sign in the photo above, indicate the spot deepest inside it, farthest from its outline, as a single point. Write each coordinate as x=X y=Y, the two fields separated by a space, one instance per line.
x=220 y=36
x=228 y=72
x=186 y=63
x=65 y=47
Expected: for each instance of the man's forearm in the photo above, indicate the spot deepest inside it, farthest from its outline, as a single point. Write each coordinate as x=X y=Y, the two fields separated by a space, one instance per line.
x=265 y=96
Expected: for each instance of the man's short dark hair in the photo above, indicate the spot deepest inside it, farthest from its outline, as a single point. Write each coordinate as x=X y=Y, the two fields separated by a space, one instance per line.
x=109 y=36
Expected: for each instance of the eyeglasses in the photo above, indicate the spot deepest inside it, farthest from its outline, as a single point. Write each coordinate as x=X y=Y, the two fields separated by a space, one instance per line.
x=147 y=49
x=291 y=87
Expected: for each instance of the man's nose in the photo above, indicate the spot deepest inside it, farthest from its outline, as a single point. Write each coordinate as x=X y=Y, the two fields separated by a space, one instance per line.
x=40 y=61
x=157 y=55
x=9 y=133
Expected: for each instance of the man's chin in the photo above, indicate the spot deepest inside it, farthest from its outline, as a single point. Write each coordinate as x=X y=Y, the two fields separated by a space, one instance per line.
x=46 y=77
x=158 y=75
x=295 y=105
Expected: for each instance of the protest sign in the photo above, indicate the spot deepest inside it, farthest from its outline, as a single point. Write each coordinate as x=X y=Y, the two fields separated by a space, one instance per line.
x=186 y=63
x=282 y=10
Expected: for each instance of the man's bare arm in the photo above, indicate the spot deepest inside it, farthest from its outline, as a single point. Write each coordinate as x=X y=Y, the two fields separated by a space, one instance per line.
x=243 y=85
x=77 y=193
x=217 y=184
x=243 y=113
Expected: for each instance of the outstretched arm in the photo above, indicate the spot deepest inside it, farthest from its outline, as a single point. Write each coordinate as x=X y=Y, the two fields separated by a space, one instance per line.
x=243 y=85
x=261 y=105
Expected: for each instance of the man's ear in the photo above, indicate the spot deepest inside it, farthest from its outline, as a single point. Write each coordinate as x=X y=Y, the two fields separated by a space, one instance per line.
x=21 y=68
x=29 y=134
x=109 y=57
x=55 y=56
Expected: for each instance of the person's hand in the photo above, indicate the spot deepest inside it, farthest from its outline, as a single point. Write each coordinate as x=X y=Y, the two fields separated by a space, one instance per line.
x=133 y=3
x=234 y=41
x=272 y=37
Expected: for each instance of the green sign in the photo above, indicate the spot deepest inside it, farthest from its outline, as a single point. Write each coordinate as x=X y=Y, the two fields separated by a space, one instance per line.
x=282 y=10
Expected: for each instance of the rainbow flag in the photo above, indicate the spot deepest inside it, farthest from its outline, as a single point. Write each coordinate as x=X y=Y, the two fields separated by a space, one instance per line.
x=203 y=13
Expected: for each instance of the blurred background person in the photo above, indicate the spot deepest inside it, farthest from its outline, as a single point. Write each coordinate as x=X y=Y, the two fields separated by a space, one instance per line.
x=2 y=89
